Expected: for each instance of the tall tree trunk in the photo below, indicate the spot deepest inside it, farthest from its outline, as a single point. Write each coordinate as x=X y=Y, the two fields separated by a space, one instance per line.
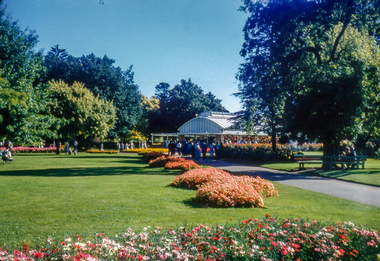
x=328 y=150
x=273 y=137
x=273 y=130
x=57 y=145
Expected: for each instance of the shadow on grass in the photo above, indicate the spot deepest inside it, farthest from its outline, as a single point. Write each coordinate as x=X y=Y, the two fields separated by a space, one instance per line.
x=343 y=173
x=78 y=172
x=194 y=203
x=79 y=156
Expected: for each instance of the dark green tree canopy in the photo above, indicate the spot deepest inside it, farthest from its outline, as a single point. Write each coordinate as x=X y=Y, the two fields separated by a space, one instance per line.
x=102 y=78
x=180 y=104
x=310 y=63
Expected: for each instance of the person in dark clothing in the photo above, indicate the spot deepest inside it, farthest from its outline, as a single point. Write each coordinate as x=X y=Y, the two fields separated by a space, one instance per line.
x=192 y=150
x=204 y=149
x=172 y=148
x=217 y=151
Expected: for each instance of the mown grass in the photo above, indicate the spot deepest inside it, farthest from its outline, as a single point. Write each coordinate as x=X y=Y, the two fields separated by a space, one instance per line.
x=49 y=195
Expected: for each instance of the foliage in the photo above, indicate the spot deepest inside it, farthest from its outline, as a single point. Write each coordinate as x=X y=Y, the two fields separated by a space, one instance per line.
x=257 y=151
x=88 y=115
x=102 y=78
x=180 y=104
x=24 y=103
x=312 y=61
x=377 y=154
x=149 y=107
x=252 y=239
x=311 y=147
x=135 y=136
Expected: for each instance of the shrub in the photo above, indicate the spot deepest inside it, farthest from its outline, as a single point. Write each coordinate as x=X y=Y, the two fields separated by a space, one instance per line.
x=196 y=177
x=219 y=188
x=159 y=162
x=257 y=151
x=231 y=193
x=152 y=155
x=180 y=163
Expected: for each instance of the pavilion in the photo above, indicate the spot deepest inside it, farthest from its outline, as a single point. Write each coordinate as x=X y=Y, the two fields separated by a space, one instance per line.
x=217 y=126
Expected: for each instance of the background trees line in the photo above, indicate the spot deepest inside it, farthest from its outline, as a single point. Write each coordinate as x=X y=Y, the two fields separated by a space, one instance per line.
x=59 y=95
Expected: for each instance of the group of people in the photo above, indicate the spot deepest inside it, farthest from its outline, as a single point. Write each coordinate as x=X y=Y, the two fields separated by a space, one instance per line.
x=195 y=149
x=67 y=150
x=348 y=151
x=131 y=145
x=6 y=155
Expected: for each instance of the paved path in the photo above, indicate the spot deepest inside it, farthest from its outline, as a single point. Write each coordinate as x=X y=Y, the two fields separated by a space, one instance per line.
x=342 y=189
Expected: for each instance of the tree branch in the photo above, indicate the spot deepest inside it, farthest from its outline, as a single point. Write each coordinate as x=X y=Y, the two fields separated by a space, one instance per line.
x=344 y=27
x=315 y=50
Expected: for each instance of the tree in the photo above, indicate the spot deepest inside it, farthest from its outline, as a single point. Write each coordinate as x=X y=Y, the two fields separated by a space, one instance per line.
x=102 y=78
x=24 y=102
x=260 y=75
x=87 y=114
x=180 y=104
x=321 y=64
x=150 y=107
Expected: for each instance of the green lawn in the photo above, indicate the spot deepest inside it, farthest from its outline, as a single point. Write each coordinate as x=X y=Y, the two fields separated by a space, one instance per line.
x=370 y=175
x=48 y=195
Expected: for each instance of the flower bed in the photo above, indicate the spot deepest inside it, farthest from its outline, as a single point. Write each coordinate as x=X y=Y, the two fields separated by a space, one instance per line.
x=169 y=162
x=180 y=163
x=194 y=178
x=152 y=155
x=20 y=149
x=159 y=162
x=267 y=239
x=311 y=147
x=218 y=188
x=103 y=151
x=149 y=150
x=261 y=151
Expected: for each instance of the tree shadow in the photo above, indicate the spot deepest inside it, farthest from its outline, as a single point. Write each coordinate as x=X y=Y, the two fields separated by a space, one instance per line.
x=194 y=203
x=81 y=172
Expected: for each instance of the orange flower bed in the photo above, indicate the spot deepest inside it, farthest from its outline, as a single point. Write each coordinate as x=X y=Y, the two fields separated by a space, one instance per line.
x=216 y=187
x=180 y=163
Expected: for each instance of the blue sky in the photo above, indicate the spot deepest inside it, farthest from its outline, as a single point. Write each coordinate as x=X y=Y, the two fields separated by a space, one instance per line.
x=164 y=40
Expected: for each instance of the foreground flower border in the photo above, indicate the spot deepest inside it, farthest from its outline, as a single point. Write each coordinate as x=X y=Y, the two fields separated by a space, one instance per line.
x=267 y=239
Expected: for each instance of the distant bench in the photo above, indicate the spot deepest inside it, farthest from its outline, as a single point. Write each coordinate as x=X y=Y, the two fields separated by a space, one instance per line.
x=354 y=161
x=307 y=159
